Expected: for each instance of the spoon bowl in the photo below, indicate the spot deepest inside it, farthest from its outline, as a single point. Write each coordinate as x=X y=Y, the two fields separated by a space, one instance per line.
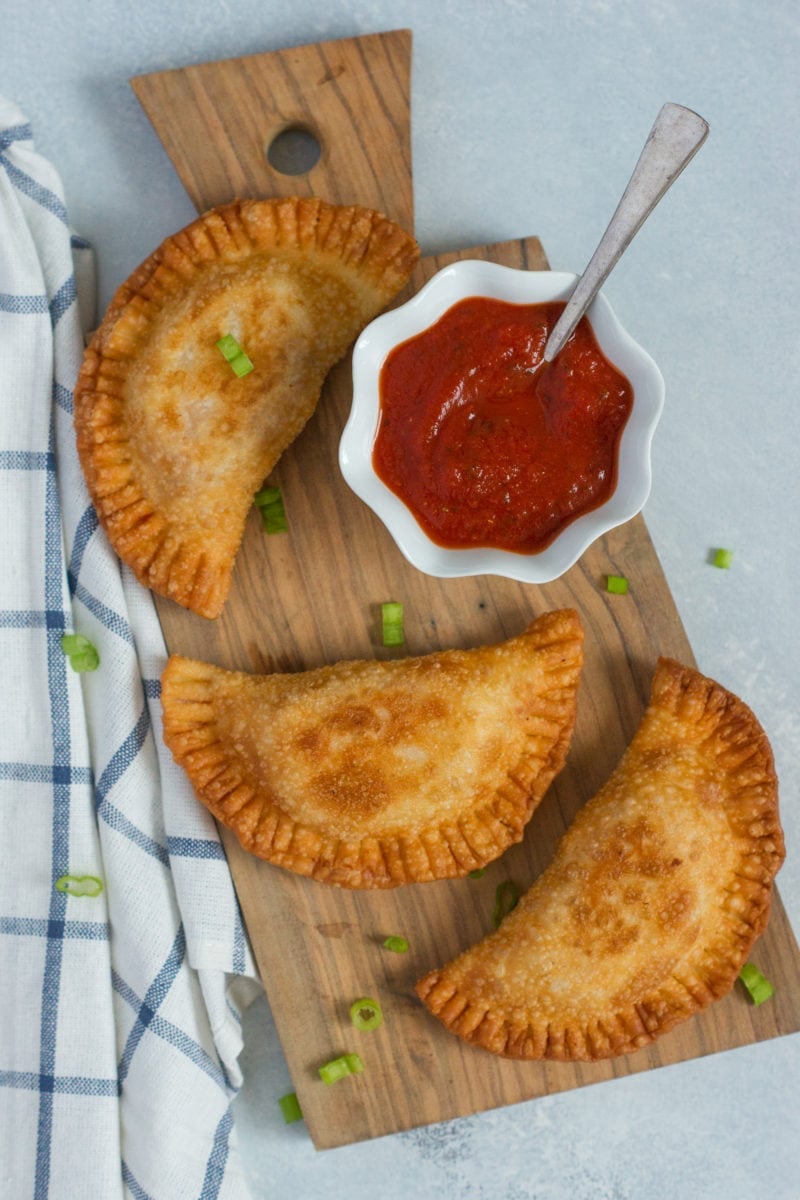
x=450 y=285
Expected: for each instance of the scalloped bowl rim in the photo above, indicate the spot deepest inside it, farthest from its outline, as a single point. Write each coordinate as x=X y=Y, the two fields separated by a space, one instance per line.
x=476 y=277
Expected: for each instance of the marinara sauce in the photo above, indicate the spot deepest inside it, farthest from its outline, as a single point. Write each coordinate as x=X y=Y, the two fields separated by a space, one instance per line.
x=487 y=444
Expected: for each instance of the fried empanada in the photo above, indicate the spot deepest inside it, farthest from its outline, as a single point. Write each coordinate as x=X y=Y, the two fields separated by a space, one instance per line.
x=656 y=893
x=371 y=774
x=172 y=442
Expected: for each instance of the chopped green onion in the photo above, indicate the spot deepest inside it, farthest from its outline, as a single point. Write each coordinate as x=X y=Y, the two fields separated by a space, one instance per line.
x=290 y=1107
x=81 y=653
x=273 y=515
x=723 y=558
x=477 y=873
x=759 y=988
x=340 y=1068
x=79 y=885
x=392 y=623
x=617 y=584
x=88 y=661
x=241 y=365
x=366 y=1014
x=228 y=347
x=74 y=643
x=506 y=898
x=334 y=1070
x=267 y=495
x=398 y=945
x=234 y=355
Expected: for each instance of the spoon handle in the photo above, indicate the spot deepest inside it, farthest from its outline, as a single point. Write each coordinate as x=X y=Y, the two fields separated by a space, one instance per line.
x=676 y=136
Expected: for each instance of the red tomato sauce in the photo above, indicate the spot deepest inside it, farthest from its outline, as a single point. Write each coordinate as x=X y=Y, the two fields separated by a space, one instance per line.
x=490 y=446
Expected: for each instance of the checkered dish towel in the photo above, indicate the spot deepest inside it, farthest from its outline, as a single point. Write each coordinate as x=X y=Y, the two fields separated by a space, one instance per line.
x=121 y=1012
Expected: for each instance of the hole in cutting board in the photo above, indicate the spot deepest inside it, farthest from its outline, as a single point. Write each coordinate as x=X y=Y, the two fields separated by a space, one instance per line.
x=294 y=151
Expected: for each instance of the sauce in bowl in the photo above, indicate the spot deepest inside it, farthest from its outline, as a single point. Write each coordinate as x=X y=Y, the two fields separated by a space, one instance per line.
x=485 y=443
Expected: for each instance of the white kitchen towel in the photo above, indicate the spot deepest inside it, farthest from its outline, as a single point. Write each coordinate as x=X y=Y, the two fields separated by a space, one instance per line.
x=121 y=1011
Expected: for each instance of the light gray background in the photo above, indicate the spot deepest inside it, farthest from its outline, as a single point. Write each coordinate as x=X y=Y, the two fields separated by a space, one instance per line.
x=527 y=118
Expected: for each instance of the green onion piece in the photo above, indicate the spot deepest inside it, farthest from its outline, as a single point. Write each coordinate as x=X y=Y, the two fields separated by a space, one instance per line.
x=74 y=643
x=354 y=1064
x=392 y=623
x=617 y=584
x=366 y=1014
x=759 y=988
x=273 y=515
x=241 y=365
x=267 y=495
x=234 y=355
x=273 y=518
x=229 y=347
x=506 y=898
x=81 y=653
x=79 y=885
x=290 y=1107
x=723 y=558
x=477 y=873
x=339 y=1068
x=398 y=945
x=88 y=661
x=331 y=1072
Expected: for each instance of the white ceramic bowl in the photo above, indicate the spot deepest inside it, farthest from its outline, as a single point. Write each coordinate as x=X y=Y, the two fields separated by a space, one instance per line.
x=447 y=287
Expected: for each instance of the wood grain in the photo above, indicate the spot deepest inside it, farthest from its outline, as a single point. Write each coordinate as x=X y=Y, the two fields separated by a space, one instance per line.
x=313 y=596
x=216 y=121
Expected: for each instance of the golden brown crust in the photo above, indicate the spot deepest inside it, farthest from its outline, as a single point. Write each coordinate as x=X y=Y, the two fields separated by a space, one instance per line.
x=173 y=445
x=654 y=898
x=372 y=774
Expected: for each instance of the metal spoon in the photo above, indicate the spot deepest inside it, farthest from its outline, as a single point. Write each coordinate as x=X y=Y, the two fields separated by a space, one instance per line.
x=676 y=136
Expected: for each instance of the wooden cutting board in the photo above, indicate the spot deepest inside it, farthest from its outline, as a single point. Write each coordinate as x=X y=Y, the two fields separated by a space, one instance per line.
x=313 y=596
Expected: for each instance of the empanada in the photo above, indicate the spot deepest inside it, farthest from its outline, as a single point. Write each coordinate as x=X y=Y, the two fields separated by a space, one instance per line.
x=370 y=774
x=655 y=895
x=172 y=442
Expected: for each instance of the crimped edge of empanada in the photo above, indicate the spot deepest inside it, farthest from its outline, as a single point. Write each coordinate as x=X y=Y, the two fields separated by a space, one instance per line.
x=367 y=242
x=742 y=748
x=222 y=783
